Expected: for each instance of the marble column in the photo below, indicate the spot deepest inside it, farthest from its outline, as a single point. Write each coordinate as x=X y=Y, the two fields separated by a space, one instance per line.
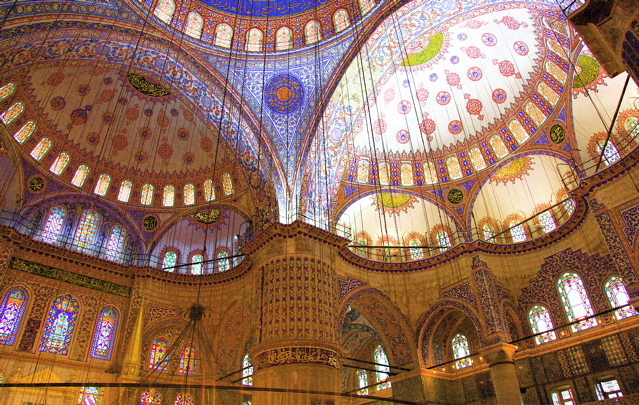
x=500 y=358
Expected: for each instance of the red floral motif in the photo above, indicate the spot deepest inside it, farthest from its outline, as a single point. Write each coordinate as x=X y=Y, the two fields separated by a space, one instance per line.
x=403 y=136
x=132 y=114
x=453 y=79
x=475 y=73
x=55 y=79
x=379 y=126
x=93 y=138
x=79 y=116
x=182 y=134
x=422 y=94
x=427 y=126
x=188 y=115
x=474 y=24
x=499 y=96
x=389 y=95
x=165 y=151
x=57 y=103
x=473 y=52
x=455 y=127
x=511 y=23
x=507 y=68
x=145 y=133
x=443 y=98
x=489 y=39
x=521 y=48
x=474 y=107
x=189 y=158
x=141 y=157
x=106 y=95
x=84 y=89
x=206 y=144
x=404 y=107
x=107 y=118
x=120 y=142
x=163 y=120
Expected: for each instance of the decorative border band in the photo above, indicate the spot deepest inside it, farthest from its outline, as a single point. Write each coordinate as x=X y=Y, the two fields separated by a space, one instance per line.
x=296 y=355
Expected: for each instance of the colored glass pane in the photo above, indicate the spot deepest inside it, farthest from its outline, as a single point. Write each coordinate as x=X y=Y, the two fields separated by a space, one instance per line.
x=540 y=322
x=53 y=227
x=556 y=71
x=12 y=113
x=517 y=232
x=312 y=32
x=443 y=240
x=104 y=336
x=227 y=184
x=102 y=186
x=247 y=371
x=548 y=93
x=80 y=176
x=518 y=131
x=159 y=354
x=384 y=174
x=631 y=125
x=168 y=196
x=340 y=20
x=165 y=10
x=196 y=264
x=25 y=132
x=223 y=262
x=147 y=194
x=59 y=164
x=150 y=397
x=366 y=6
x=188 y=360
x=362 y=382
x=569 y=205
x=407 y=175
x=87 y=230
x=41 y=149
x=461 y=351
x=477 y=159
x=498 y=146
x=90 y=396
x=416 y=252
x=13 y=305
x=183 y=399
x=125 y=191
x=535 y=113
x=194 y=24
x=283 y=39
x=611 y=155
x=209 y=190
x=254 y=40
x=115 y=245
x=362 y=171
x=453 y=168
x=382 y=368
x=547 y=221
x=60 y=324
x=618 y=297
x=6 y=90
x=189 y=194
x=362 y=251
x=170 y=260
x=575 y=300
x=488 y=232
x=430 y=174
x=223 y=35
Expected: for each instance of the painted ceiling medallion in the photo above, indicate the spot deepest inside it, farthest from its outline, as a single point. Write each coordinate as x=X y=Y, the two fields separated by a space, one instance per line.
x=394 y=203
x=513 y=170
x=431 y=47
x=206 y=219
x=284 y=94
x=588 y=74
x=146 y=87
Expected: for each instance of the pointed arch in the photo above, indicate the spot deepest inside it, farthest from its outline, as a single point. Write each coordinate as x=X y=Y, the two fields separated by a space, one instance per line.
x=146 y=197
x=60 y=324
x=209 y=190
x=87 y=230
x=575 y=301
x=541 y=323
x=106 y=329
x=159 y=357
x=284 y=39
x=41 y=149
x=189 y=194
x=341 y=20
x=223 y=35
x=115 y=245
x=12 y=113
x=165 y=10
x=254 y=40
x=188 y=360
x=7 y=90
x=194 y=25
x=125 y=191
x=169 y=261
x=461 y=351
x=12 y=309
x=53 y=226
x=102 y=186
x=25 y=132
x=90 y=396
x=618 y=297
x=80 y=176
x=312 y=32
x=382 y=367
x=59 y=164
x=151 y=397
x=168 y=196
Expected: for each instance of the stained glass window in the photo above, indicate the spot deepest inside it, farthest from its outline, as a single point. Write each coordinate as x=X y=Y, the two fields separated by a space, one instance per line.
x=247 y=371
x=209 y=190
x=168 y=196
x=362 y=382
x=90 y=396
x=223 y=262
x=362 y=171
x=102 y=186
x=189 y=194
x=540 y=321
x=60 y=163
x=115 y=245
x=41 y=149
x=60 y=324
x=284 y=39
x=6 y=90
x=151 y=397
x=461 y=351
x=382 y=368
x=170 y=260
x=312 y=32
x=183 y=399
x=569 y=205
x=194 y=24
x=227 y=184
x=104 y=335
x=611 y=155
x=416 y=252
x=12 y=113
x=125 y=191
x=488 y=232
x=164 y=10
x=196 y=264
x=366 y=6
x=188 y=360
x=563 y=396
x=254 y=40
x=87 y=230
x=453 y=168
x=443 y=240
x=340 y=19
x=575 y=300
x=517 y=232
x=407 y=175
x=384 y=173
x=618 y=297
x=632 y=126
x=556 y=71
x=535 y=113
x=548 y=93
x=477 y=159
x=13 y=305
x=53 y=227
x=518 y=131
x=147 y=194
x=430 y=174
x=159 y=354
x=547 y=221
x=498 y=146
x=223 y=35
x=80 y=176
x=25 y=132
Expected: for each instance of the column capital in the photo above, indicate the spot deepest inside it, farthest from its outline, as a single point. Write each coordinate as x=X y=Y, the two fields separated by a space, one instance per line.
x=499 y=353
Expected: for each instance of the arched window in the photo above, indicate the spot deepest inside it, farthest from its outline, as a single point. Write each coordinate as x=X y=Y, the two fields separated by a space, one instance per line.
x=489 y=233
x=59 y=164
x=227 y=184
x=115 y=245
x=284 y=39
x=196 y=264
x=104 y=336
x=416 y=252
x=454 y=170
x=183 y=399
x=223 y=263
x=102 y=186
x=247 y=371
x=223 y=35
x=362 y=171
x=254 y=39
x=461 y=351
x=362 y=382
x=498 y=146
x=12 y=113
x=6 y=90
x=80 y=176
x=340 y=20
x=477 y=159
x=547 y=221
x=518 y=131
x=517 y=232
x=611 y=155
x=366 y=6
x=165 y=10
x=189 y=194
x=618 y=297
x=60 y=324
x=407 y=174
x=382 y=368
x=384 y=173
x=188 y=360
x=25 y=132
x=147 y=194
x=569 y=206
x=168 y=196
x=125 y=191
x=312 y=32
x=194 y=24
x=575 y=300
x=443 y=240
x=90 y=396
x=540 y=321
x=170 y=260
x=151 y=397
x=13 y=306
x=209 y=191
x=41 y=149
x=87 y=230
x=53 y=227
x=159 y=354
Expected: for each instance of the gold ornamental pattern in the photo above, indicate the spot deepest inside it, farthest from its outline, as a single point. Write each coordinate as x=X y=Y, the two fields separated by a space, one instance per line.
x=296 y=355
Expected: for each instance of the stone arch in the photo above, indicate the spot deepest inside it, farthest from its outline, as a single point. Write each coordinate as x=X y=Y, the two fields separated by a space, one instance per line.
x=169 y=328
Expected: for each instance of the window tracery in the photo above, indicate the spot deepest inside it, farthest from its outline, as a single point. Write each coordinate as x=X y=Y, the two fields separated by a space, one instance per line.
x=547 y=221
x=254 y=39
x=461 y=351
x=189 y=194
x=183 y=399
x=407 y=174
x=41 y=149
x=159 y=354
x=223 y=263
x=312 y=32
x=416 y=252
x=488 y=232
x=341 y=20
x=384 y=173
x=60 y=325
x=53 y=227
x=80 y=176
x=454 y=170
x=104 y=335
x=165 y=10
x=575 y=301
x=125 y=191
x=209 y=190
x=498 y=146
x=6 y=90
x=477 y=159
x=188 y=360
x=12 y=113
x=611 y=154
x=227 y=184
x=168 y=196
x=13 y=307
x=147 y=194
x=102 y=186
x=247 y=371
x=382 y=370
x=194 y=25
x=618 y=297
x=87 y=230
x=283 y=39
x=115 y=245
x=540 y=322
x=90 y=396
x=151 y=397
x=196 y=264
x=59 y=164
x=169 y=262
x=25 y=132
x=362 y=171
x=223 y=35
x=443 y=239
x=517 y=232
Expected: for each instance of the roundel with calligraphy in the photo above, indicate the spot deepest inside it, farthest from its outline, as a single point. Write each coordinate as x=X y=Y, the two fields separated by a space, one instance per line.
x=284 y=94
